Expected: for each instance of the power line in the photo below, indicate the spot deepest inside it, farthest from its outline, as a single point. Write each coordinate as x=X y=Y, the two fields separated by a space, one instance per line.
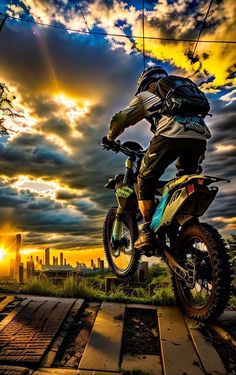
x=203 y=25
x=3 y=20
x=82 y=13
x=98 y=33
x=144 y=59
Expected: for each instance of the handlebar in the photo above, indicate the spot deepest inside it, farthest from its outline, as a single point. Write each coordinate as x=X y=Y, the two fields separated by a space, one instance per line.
x=116 y=146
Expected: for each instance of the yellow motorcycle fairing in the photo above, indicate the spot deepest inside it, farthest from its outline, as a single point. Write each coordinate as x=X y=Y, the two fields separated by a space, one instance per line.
x=183 y=198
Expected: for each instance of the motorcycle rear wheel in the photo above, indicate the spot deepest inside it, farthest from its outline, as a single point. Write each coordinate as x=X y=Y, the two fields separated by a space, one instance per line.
x=202 y=244
x=127 y=263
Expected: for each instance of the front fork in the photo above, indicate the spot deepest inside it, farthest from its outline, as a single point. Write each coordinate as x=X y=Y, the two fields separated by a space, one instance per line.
x=122 y=192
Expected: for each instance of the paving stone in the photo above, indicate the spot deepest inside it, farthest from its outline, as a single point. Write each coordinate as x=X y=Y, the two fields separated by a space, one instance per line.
x=102 y=352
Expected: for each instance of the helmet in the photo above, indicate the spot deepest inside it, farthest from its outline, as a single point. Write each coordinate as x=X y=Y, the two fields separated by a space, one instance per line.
x=149 y=75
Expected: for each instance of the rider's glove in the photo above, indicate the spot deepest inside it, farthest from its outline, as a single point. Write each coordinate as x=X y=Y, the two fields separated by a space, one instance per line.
x=106 y=142
x=111 y=144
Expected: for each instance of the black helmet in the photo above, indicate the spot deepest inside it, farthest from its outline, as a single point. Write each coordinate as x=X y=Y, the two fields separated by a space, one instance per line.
x=149 y=75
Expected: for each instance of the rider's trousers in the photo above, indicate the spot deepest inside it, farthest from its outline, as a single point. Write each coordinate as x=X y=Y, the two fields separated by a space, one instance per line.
x=163 y=151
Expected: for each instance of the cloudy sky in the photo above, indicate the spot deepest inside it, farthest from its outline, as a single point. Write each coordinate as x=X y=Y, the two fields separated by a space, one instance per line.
x=70 y=84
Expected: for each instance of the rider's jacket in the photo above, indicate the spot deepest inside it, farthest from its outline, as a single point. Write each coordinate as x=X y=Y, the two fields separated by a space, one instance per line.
x=147 y=104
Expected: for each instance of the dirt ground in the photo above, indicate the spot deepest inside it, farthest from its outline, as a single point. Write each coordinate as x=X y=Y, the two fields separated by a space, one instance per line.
x=140 y=332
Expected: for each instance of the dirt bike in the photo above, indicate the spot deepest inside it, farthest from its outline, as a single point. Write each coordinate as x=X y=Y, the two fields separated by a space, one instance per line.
x=194 y=251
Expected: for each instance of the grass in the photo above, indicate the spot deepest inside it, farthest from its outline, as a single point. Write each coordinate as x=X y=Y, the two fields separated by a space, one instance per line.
x=93 y=288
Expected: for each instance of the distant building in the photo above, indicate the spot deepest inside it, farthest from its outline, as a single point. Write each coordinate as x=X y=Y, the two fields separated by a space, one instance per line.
x=21 y=273
x=12 y=269
x=92 y=263
x=18 y=256
x=29 y=269
x=98 y=260
x=37 y=258
x=47 y=256
x=58 y=272
x=61 y=259
x=101 y=265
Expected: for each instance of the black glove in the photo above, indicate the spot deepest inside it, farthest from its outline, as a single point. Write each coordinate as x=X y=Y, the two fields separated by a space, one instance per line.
x=111 y=145
x=106 y=142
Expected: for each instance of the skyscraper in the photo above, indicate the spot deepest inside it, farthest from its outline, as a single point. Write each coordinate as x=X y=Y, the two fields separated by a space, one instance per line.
x=61 y=259
x=18 y=256
x=47 y=256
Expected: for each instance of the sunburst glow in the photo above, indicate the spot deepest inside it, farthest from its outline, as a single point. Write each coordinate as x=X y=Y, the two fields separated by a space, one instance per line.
x=73 y=110
x=2 y=253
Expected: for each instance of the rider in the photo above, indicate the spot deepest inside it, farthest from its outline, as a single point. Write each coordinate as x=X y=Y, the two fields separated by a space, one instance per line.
x=176 y=137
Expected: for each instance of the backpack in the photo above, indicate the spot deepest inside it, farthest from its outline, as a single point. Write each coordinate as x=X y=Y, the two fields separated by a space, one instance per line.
x=181 y=96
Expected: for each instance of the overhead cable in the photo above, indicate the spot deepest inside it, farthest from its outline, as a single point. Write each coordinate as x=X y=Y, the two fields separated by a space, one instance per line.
x=143 y=20
x=3 y=20
x=203 y=25
x=82 y=13
x=99 y=33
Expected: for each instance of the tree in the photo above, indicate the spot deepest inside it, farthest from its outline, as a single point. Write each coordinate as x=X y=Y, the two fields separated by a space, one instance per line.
x=7 y=109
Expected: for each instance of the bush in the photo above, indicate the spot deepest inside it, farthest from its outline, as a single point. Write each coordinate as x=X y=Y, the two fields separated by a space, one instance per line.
x=157 y=270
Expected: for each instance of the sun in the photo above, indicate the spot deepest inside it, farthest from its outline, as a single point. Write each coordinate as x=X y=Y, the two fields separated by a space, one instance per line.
x=2 y=253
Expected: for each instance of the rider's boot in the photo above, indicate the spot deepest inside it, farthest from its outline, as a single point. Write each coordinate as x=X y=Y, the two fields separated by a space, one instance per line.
x=145 y=241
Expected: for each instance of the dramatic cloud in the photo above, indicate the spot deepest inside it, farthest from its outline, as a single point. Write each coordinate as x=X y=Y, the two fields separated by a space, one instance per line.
x=69 y=86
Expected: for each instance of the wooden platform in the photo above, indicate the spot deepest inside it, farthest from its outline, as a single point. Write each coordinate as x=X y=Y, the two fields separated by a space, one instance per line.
x=34 y=331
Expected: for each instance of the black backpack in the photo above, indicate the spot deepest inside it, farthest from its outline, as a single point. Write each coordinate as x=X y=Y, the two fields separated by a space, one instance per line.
x=181 y=96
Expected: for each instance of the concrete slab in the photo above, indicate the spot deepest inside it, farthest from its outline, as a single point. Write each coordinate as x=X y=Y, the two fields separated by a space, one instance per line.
x=177 y=350
x=209 y=357
x=102 y=352
x=150 y=364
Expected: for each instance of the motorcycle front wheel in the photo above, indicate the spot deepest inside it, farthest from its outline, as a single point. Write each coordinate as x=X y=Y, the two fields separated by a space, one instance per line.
x=202 y=245
x=123 y=261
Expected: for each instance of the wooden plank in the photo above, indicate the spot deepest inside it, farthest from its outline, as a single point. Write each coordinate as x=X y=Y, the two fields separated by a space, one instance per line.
x=6 y=302
x=209 y=357
x=14 y=370
x=102 y=352
x=13 y=314
x=177 y=350
x=56 y=371
x=26 y=336
x=52 y=353
x=140 y=306
x=150 y=364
